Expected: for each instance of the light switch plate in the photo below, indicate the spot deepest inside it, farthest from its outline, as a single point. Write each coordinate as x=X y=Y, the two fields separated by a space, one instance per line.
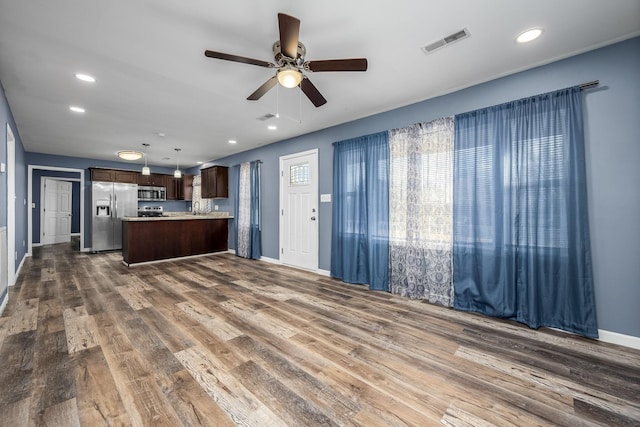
x=324 y=198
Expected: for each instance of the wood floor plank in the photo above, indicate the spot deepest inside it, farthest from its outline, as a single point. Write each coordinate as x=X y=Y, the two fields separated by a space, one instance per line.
x=62 y=414
x=191 y=403
x=97 y=397
x=80 y=329
x=17 y=354
x=227 y=391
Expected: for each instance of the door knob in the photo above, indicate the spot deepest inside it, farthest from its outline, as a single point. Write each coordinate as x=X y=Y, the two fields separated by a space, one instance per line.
x=313 y=218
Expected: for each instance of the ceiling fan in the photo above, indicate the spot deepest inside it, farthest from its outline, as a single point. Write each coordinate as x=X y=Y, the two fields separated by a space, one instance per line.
x=289 y=62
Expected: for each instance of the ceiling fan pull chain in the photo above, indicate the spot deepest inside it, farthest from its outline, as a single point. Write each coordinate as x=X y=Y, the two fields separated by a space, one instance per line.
x=299 y=104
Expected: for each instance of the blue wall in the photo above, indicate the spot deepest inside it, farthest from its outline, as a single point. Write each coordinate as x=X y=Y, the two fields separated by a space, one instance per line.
x=612 y=129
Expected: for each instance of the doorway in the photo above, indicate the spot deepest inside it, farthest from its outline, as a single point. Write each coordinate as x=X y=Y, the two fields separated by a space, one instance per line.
x=66 y=174
x=299 y=210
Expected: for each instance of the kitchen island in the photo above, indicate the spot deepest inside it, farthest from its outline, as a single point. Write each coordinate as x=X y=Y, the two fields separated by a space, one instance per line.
x=147 y=239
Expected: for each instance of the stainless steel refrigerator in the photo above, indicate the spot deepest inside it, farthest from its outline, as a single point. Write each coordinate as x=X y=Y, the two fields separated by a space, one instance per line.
x=110 y=202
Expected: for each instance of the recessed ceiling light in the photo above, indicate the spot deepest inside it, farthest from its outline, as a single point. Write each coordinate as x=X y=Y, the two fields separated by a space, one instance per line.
x=529 y=35
x=76 y=109
x=162 y=134
x=85 y=77
x=272 y=127
x=232 y=141
x=200 y=162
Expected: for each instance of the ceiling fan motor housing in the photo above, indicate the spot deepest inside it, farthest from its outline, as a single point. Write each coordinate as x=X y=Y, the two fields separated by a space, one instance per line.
x=281 y=59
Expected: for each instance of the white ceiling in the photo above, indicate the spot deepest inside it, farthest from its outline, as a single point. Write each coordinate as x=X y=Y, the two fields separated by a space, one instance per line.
x=152 y=75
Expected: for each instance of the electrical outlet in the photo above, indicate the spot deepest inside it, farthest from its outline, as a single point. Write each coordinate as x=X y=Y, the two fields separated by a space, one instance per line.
x=215 y=207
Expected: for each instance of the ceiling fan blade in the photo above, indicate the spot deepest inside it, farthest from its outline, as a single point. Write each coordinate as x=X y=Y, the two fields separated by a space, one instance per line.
x=289 y=32
x=236 y=58
x=312 y=93
x=268 y=85
x=354 y=64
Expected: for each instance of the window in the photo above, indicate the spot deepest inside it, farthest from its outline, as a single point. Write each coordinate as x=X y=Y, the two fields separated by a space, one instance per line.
x=299 y=174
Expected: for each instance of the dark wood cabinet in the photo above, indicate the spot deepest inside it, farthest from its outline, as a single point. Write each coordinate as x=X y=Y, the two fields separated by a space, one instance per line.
x=114 y=175
x=128 y=177
x=179 y=188
x=153 y=240
x=187 y=187
x=215 y=182
x=153 y=180
x=105 y=175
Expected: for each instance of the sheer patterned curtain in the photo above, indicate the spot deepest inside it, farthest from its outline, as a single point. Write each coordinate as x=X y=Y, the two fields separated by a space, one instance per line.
x=521 y=241
x=360 y=223
x=248 y=210
x=198 y=204
x=421 y=216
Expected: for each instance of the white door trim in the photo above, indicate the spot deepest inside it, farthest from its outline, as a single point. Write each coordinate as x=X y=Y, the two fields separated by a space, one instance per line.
x=11 y=207
x=83 y=248
x=281 y=205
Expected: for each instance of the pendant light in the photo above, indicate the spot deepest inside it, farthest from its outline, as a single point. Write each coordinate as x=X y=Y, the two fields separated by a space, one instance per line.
x=177 y=173
x=145 y=169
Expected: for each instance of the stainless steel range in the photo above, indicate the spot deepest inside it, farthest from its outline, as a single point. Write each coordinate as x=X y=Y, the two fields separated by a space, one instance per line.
x=148 y=211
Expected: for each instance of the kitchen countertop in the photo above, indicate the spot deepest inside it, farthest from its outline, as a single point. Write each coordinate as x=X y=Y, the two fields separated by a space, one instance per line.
x=171 y=216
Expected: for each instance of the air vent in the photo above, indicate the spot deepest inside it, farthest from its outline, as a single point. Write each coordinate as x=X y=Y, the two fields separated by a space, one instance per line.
x=266 y=117
x=432 y=47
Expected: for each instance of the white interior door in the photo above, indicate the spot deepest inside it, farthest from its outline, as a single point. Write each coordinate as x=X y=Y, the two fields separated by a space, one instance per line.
x=56 y=212
x=299 y=210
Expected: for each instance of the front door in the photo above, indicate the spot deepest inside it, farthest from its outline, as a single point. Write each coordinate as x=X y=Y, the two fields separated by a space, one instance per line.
x=299 y=210
x=56 y=211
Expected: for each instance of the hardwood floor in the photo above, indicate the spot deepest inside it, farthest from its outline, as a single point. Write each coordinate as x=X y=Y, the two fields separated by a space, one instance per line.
x=219 y=340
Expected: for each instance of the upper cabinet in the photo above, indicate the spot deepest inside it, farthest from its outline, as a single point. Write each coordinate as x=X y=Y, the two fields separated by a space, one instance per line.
x=215 y=182
x=113 y=175
x=179 y=188
x=176 y=189
x=153 y=180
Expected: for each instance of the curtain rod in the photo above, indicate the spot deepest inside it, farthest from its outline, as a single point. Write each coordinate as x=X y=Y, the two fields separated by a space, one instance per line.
x=589 y=85
x=259 y=161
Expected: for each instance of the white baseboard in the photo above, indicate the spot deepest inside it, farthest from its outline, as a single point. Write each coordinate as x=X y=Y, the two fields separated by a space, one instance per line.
x=620 y=339
x=324 y=272
x=4 y=302
x=270 y=260
x=15 y=276
x=35 y=245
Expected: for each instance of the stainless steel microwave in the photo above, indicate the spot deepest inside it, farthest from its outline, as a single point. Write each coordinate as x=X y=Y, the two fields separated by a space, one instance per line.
x=150 y=194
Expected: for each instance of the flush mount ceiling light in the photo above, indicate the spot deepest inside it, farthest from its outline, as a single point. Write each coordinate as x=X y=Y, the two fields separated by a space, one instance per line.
x=129 y=155
x=177 y=173
x=529 y=35
x=145 y=169
x=272 y=127
x=85 y=77
x=232 y=141
x=289 y=76
x=76 y=109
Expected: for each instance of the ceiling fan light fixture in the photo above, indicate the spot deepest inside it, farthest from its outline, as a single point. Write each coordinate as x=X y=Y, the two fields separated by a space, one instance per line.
x=289 y=77
x=129 y=155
